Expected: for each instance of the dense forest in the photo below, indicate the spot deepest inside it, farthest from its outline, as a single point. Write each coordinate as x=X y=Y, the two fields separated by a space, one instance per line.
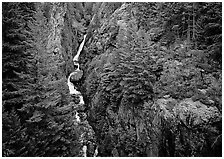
x=106 y=79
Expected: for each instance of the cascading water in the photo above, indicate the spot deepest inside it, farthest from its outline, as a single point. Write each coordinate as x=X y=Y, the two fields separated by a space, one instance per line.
x=76 y=76
x=72 y=87
x=57 y=44
x=76 y=58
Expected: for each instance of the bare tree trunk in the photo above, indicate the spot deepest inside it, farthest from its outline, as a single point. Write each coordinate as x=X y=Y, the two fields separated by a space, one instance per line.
x=188 y=31
x=194 y=26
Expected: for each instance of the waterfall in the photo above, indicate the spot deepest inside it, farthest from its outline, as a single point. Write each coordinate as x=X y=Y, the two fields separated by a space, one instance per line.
x=76 y=58
x=96 y=152
x=84 y=149
x=71 y=86
x=73 y=91
x=77 y=117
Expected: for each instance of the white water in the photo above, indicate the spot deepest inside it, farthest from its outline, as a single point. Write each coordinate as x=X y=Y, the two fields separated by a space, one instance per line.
x=72 y=89
x=96 y=152
x=84 y=149
x=76 y=58
x=77 y=117
x=71 y=86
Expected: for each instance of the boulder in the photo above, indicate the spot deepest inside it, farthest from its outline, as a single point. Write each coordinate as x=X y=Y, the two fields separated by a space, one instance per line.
x=76 y=76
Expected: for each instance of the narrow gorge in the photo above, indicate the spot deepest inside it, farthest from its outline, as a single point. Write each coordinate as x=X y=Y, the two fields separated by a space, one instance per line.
x=112 y=79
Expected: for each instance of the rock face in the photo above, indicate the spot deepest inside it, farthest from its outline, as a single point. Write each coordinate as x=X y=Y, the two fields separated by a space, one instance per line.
x=125 y=81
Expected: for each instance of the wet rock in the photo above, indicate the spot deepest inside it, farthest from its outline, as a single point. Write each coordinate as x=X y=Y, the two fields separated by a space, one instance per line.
x=76 y=76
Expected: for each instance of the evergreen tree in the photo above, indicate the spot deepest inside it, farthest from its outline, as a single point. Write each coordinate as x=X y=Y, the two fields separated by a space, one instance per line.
x=15 y=45
x=131 y=76
x=17 y=42
x=198 y=23
x=51 y=115
x=45 y=123
x=210 y=21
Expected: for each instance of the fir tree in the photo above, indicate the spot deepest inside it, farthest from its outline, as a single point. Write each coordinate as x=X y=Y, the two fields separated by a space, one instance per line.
x=17 y=42
x=44 y=123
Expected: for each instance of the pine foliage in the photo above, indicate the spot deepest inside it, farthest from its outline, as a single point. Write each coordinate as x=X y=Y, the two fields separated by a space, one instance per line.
x=197 y=23
x=128 y=75
x=38 y=119
x=16 y=45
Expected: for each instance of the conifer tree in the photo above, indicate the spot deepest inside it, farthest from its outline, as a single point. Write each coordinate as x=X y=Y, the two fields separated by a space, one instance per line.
x=15 y=54
x=17 y=42
x=45 y=124
x=51 y=116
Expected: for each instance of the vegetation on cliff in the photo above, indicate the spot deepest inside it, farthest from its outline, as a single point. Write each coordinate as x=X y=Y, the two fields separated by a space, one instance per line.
x=151 y=79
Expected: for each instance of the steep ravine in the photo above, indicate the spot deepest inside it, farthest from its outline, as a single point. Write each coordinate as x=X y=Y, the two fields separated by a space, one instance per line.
x=64 y=42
